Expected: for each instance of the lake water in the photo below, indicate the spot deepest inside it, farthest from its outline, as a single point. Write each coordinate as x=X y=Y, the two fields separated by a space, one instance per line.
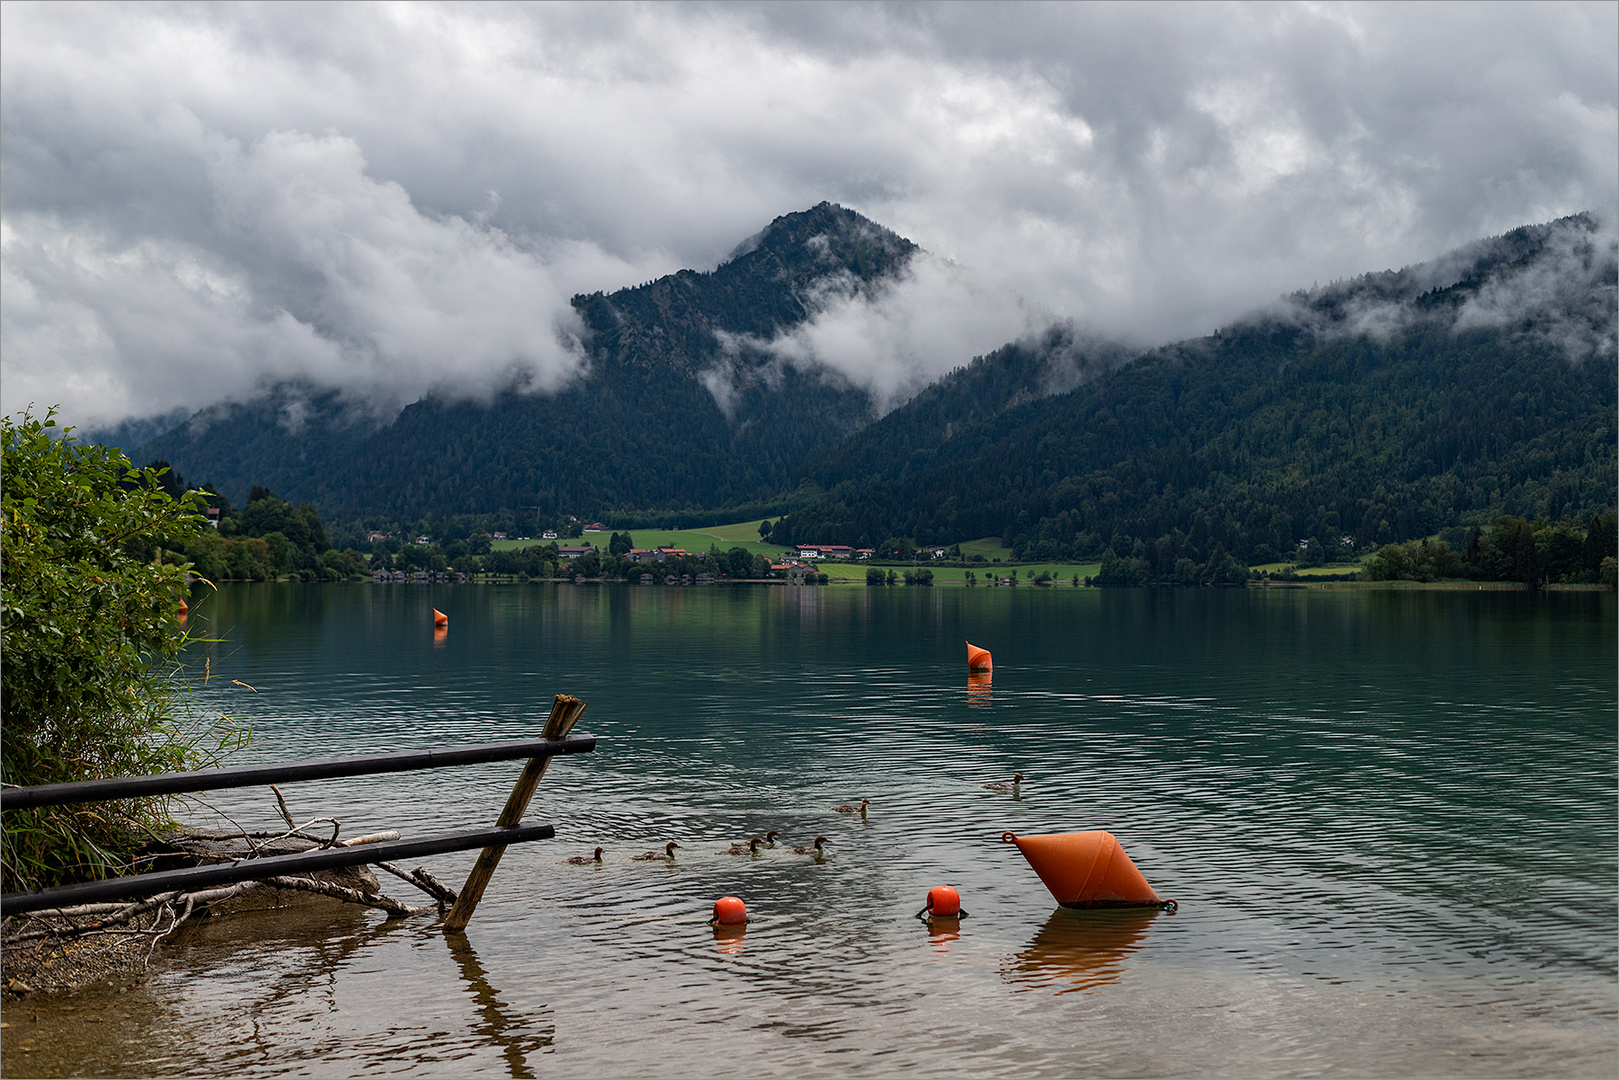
x=1389 y=819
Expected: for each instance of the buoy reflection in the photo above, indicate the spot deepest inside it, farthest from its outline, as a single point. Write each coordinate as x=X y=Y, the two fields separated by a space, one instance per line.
x=728 y=939
x=978 y=692
x=1080 y=951
x=441 y=634
x=942 y=930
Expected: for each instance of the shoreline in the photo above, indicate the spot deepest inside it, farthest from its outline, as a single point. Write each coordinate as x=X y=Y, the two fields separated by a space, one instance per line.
x=1457 y=585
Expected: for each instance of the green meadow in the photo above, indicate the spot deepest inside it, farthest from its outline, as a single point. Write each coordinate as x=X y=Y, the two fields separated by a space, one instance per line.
x=745 y=534
x=742 y=534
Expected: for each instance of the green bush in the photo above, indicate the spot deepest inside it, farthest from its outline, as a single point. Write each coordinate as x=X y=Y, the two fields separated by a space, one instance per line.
x=89 y=627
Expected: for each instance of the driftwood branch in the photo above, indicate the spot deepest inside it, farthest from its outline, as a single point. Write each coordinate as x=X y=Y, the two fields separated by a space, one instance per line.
x=339 y=892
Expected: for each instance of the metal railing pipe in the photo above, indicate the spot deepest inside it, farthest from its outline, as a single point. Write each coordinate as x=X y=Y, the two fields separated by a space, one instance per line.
x=134 y=787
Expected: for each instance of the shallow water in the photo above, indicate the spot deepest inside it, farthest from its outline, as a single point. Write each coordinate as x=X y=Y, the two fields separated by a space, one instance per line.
x=1389 y=819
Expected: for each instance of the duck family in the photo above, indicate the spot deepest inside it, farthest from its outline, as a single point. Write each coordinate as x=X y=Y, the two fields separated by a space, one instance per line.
x=756 y=845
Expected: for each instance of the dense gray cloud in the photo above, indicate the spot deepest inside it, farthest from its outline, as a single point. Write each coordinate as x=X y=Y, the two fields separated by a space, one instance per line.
x=199 y=199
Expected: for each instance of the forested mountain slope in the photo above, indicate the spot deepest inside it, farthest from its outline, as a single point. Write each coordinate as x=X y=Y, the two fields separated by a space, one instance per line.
x=1382 y=408
x=645 y=428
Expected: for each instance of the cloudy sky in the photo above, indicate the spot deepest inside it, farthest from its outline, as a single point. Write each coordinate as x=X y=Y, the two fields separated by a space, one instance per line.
x=201 y=198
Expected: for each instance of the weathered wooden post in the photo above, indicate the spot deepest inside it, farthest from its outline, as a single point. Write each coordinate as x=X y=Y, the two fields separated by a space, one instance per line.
x=565 y=712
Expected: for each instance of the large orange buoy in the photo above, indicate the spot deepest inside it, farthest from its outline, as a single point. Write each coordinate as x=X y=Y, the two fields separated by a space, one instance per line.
x=1087 y=870
x=439 y=618
x=729 y=911
x=978 y=659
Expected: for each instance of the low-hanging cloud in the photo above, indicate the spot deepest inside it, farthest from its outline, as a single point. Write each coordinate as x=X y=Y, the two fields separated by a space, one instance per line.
x=199 y=201
x=893 y=338
x=314 y=272
x=1556 y=283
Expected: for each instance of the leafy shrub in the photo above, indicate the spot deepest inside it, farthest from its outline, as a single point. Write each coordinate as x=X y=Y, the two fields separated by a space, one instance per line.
x=89 y=627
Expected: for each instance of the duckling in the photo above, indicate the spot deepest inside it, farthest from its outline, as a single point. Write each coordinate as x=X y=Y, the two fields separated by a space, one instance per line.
x=586 y=860
x=810 y=849
x=1017 y=778
x=770 y=838
x=667 y=855
x=861 y=809
x=750 y=848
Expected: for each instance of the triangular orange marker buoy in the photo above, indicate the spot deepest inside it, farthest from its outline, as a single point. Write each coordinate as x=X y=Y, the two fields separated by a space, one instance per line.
x=978 y=659
x=184 y=607
x=439 y=618
x=1087 y=870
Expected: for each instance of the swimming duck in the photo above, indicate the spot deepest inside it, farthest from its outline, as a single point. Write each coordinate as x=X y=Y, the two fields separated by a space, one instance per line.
x=770 y=838
x=861 y=809
x=1017 y=778
x=667 y=854
x=585 y=860
x=750 y=848
x=810 y=849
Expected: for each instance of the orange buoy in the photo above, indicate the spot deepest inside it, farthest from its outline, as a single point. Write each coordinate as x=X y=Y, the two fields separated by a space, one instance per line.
x=184 y=607
x=439 y=618
x=729 y=911
x=1087 y=870
x=978 y=659
x=943 y=902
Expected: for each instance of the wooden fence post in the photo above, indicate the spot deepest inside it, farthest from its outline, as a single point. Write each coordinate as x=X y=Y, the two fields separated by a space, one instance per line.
x=565 y=712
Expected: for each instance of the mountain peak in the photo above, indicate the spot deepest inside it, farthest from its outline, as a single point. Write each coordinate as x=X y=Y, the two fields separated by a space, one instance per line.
x=825 y=237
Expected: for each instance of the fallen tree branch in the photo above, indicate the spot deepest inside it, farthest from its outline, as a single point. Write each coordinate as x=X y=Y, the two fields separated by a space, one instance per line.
x=339 y=892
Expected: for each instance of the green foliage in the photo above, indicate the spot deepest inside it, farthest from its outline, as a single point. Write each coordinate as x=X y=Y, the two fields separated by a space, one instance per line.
x=89 y=628
x=1254 y=440
x=874 y=576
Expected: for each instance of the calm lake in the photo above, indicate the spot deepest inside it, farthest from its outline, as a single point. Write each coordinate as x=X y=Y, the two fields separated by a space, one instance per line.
x=1389 y=819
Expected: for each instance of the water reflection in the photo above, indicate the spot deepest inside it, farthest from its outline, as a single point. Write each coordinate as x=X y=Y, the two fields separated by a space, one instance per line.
x=1080 y=951
x=728 y=939
x=978 y=691
x=441 y=634
x=1361 y=753
x=942 y=931
x=516 y=1038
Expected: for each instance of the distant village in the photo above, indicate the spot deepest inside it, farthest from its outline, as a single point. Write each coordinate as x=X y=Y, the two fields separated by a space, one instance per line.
x=798 y=568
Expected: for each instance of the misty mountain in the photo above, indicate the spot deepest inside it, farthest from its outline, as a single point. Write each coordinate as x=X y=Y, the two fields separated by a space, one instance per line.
x=684 y=403
x=1383 y=408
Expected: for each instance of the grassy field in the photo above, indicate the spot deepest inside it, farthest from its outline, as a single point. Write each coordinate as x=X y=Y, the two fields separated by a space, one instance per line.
x=989 y=547
x=1308 y=572
x=743 y=534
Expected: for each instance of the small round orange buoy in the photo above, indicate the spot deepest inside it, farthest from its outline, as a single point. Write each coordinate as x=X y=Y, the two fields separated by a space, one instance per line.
x=943 y=903
x=729 y=911
x=979 y=659
x=439 y=618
